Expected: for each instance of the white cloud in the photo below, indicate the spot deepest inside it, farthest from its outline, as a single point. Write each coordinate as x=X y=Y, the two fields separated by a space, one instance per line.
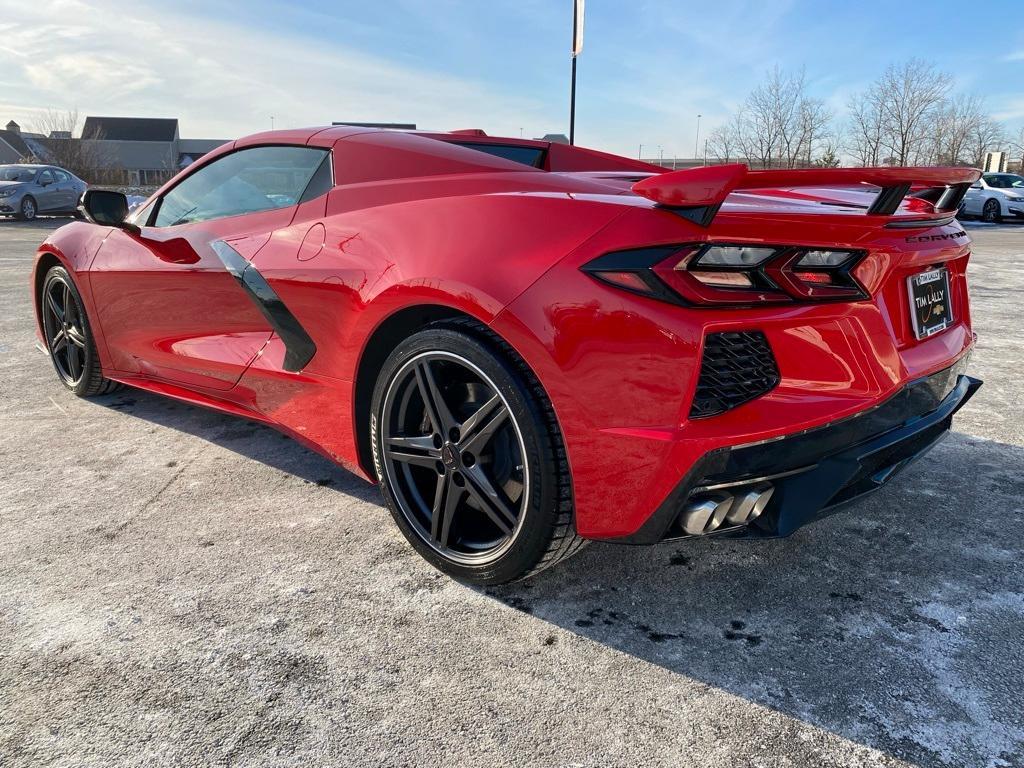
x=1014 y=56
x=223 y=80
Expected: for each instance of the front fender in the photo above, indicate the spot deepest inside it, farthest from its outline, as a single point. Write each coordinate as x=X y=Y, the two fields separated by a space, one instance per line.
x=74 y=246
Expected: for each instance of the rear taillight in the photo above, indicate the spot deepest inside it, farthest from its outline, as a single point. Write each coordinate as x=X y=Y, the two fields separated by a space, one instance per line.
x=718 y=274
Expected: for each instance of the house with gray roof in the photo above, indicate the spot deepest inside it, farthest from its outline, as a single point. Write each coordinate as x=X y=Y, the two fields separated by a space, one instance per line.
x=12 y=145
x=132 y=151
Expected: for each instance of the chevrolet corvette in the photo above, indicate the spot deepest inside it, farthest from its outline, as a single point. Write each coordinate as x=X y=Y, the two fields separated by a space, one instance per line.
x=530 y=345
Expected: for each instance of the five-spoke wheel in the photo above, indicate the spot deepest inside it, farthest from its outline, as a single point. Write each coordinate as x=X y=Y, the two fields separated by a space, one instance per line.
x=454 y=456
x=469 y=456
x=68 y=337
x=65 y=337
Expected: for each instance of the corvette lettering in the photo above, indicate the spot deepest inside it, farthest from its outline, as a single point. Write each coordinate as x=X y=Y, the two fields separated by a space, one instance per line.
x=932 y=238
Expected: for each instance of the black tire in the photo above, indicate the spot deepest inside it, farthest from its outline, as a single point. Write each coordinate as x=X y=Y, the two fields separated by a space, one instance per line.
x=469 y=368
x=28 y=209
x=992 y=211
x=68 y=336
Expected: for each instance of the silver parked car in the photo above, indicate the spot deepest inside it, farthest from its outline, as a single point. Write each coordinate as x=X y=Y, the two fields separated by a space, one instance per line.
x=995 y=196
x=29 y=190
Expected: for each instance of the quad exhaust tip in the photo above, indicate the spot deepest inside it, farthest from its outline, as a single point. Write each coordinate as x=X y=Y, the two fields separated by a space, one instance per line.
x=707 y=512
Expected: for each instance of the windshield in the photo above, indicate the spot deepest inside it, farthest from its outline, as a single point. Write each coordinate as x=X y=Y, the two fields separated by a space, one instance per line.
x=16 y=173
x=1005 y=181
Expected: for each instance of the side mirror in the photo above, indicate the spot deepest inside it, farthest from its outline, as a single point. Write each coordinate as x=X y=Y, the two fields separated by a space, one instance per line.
x=106 y=208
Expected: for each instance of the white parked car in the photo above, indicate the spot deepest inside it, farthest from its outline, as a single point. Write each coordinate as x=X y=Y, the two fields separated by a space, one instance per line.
x=995 y=196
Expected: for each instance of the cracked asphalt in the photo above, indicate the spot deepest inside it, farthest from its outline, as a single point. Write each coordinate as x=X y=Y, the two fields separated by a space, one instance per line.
x=183 y=588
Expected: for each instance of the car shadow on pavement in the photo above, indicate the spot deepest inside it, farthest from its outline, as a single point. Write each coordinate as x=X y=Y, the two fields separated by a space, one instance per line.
x=242 y=436
x=896 y=623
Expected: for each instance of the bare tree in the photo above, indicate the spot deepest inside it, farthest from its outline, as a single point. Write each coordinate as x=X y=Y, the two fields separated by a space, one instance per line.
x=910 y=95
x=813 y=124
x=964 y=132
x=86 y=158
x=866 y=128
x=779 y=125
x=986 y=136
x=724 y=142
x=1017 y=149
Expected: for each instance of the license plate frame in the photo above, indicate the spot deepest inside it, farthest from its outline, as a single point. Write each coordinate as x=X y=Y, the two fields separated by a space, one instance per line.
x=931 y=310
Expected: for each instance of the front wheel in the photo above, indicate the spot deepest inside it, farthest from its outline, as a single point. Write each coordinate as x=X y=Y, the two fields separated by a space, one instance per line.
x=68 y=336
x=470 y=458
x=991 y=211
x=27 y=210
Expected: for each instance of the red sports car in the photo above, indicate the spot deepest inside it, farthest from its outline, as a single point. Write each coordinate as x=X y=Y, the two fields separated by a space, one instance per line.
x=529 y=345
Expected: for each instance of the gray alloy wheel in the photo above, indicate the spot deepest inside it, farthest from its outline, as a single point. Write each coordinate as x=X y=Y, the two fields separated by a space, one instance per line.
x=69 y=338
x=469 y=456
x=991 y=211
x=27 y=211
x=443 y=414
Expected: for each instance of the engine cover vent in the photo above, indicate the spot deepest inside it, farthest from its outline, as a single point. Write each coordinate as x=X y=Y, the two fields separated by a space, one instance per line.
x=736 y=367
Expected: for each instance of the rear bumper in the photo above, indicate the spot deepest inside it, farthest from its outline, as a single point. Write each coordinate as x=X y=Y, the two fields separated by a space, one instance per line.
x=816 y=471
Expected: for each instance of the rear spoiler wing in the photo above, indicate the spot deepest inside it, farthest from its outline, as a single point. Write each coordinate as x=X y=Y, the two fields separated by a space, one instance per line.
x=697 y=193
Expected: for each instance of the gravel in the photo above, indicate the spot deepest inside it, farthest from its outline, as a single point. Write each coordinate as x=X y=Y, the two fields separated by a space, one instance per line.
x=183 y=588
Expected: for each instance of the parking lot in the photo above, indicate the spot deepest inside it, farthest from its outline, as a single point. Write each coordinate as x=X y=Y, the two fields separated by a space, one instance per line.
x=180 y=587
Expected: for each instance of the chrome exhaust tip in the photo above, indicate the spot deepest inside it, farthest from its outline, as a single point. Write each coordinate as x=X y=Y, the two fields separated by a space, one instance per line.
x=749 y=503
x=705 y=514
x=708 y=511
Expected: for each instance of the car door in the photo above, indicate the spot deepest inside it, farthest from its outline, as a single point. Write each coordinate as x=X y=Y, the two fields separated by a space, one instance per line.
x=973 y=199
x=67 y=189
x=168 y=304
x=46 y=193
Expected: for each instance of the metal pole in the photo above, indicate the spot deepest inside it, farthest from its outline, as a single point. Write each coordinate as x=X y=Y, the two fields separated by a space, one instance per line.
x=572 y=107
x=572 y=91
x=696 y=142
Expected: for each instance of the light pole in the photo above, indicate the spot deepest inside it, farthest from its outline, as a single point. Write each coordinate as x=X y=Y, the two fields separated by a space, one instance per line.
x=640 y=153
x=577 y=47
x=661 y=155
x=696 y=142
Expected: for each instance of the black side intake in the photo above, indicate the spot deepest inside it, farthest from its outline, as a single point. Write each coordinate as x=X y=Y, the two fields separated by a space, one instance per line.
x=736 y=367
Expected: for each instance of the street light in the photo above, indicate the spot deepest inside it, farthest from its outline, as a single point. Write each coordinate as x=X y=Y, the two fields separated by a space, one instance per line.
x=696 y=142
x=577 y=47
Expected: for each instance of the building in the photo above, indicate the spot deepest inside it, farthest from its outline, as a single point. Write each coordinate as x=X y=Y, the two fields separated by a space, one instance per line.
x=130 y=151
x=147 y=150
x=12 y=145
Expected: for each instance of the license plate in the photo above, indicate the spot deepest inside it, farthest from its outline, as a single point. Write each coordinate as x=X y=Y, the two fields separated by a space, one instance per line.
x=930 y=308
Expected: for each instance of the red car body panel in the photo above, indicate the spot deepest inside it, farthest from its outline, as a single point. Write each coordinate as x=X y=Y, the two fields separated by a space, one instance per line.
x=415 y=221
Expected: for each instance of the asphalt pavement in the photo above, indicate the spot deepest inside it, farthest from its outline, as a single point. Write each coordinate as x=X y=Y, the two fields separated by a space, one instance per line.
x=183 y=588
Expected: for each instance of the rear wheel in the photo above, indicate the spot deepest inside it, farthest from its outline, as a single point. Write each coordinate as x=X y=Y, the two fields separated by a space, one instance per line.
x=69 y=339
x=991 y=211
x=469 y=456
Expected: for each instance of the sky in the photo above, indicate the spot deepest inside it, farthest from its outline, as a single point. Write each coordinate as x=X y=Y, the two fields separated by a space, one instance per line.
x=648 y=67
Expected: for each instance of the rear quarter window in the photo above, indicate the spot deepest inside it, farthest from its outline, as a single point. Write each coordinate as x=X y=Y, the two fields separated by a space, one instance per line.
x=532 y=156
